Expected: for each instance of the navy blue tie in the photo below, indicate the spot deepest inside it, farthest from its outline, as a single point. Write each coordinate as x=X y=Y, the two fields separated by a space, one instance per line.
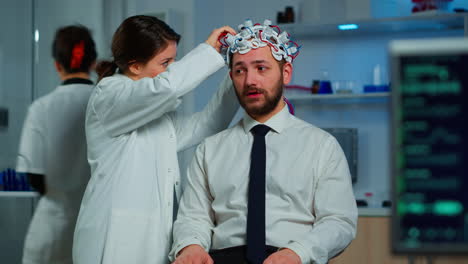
x=256 y=248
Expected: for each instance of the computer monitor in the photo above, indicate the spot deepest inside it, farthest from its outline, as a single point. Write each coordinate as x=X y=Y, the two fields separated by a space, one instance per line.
x=348 y=140
x=430 y=145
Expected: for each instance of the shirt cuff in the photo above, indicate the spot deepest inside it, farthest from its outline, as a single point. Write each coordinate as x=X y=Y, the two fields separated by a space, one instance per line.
x=300 y=250
x=177 y=248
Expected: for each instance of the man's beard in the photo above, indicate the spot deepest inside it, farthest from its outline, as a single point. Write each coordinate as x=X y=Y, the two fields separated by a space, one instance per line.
x=271 y=101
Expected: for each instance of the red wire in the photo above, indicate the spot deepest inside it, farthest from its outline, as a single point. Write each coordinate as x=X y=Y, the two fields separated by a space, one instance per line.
x=274 y=26
x=268 y=43
x=223 y=36
x=290 y=106
x=297 y=52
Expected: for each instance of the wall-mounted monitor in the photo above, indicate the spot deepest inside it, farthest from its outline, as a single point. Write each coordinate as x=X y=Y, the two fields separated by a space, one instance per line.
x=430 y=146
x=348 y=140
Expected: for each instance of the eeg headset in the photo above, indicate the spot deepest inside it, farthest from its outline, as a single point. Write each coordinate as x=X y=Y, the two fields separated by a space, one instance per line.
x=252 y=36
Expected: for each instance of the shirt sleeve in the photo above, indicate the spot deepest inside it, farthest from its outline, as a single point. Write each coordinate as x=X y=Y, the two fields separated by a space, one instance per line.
x=335 y=210
x=195 y=218
x=216 y=116
x=32 y=148
x=122 y=108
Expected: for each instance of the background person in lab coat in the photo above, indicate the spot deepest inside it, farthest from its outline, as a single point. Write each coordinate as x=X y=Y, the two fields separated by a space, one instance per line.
x=53 y=149
x=133 y=136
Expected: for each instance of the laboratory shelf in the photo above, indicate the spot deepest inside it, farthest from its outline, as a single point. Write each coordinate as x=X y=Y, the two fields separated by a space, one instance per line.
x=413 y=23
x=18 y=194
x=309 y=97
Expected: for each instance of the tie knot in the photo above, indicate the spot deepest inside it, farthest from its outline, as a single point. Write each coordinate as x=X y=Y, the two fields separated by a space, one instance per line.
x=260 y=130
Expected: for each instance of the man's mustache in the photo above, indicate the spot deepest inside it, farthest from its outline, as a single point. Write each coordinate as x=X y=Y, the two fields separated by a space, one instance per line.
x=251 y=90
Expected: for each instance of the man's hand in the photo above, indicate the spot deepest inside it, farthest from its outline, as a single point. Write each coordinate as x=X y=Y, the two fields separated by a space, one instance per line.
x=284 y=256
x=193 y=254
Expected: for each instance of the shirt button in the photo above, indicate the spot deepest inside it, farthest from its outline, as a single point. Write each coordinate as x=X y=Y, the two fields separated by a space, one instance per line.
x=171 y=136
x=169 y=170
x=177 y=183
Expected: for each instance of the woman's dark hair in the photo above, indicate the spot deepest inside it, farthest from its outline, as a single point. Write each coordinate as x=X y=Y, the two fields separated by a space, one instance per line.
x=138 y=39
x=74 y=48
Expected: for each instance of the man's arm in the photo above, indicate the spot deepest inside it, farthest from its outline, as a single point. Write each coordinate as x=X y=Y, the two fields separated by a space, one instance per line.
x=334 y=208
x=193 y=254
x=195 y=219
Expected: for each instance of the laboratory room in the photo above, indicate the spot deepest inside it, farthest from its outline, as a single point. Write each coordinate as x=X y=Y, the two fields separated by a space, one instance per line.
x=347 y=116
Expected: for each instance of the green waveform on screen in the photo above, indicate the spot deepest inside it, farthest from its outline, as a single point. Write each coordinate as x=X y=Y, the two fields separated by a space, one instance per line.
x=448 y=208
x=438 y=208
x=435 y=111
x=416 y=125
x=417 y=149
x=414 y=102
x=449 y=183
x=418 y=70
x=438 y=135
x=449 y=159
x=417 y=174
x=416 y=208
x=432 y=88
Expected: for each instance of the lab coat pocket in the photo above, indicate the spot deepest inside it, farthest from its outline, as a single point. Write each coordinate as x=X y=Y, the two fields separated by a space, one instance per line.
x=135 y=236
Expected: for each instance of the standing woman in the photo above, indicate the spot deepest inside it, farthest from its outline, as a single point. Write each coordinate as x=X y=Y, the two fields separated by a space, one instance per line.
x=133 y=136
x=53 y=149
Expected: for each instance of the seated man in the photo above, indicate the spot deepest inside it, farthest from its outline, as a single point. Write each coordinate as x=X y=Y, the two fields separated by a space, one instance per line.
x=273 y=188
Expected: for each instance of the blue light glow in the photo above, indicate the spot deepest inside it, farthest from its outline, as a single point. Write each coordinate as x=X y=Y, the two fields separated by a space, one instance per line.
x=348 y=27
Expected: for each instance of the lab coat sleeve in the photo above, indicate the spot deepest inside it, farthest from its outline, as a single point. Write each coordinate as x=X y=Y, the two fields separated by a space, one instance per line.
x=195 y=218
x=335 y=210
x=32 y=148
x=216 y=116
x=123 y=105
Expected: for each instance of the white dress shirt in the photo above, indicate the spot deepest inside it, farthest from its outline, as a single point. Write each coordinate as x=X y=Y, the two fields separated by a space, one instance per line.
x=310 y=206
x=53 y=144
x=133 y=136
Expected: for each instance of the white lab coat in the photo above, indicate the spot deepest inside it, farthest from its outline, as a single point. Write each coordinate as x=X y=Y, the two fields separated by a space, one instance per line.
x=53 y=144
x=133 y=136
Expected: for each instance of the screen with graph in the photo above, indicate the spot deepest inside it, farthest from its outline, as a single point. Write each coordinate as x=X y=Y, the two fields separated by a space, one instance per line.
x=430 y=145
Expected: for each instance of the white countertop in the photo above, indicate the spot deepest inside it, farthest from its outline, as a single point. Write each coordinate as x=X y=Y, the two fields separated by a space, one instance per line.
x=18 y=194
x=374 y=211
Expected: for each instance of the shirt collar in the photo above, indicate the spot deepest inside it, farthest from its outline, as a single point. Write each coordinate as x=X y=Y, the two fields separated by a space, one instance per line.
x=77 y=81
x=277 y=122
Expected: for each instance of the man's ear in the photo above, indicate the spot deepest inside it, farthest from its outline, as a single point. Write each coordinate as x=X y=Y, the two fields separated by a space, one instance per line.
x=287 y=72
x=230 y=74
